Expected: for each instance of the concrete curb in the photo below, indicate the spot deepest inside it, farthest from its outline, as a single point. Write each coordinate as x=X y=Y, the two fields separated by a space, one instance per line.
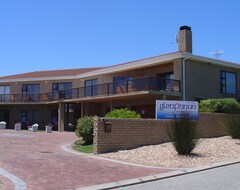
x=19 y=183
x=165 y=175
x=68 y=148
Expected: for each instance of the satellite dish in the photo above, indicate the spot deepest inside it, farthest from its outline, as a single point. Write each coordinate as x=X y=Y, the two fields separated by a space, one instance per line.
x=217 y=53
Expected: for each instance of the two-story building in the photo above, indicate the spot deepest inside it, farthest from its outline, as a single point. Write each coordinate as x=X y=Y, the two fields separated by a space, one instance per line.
x=61 y=97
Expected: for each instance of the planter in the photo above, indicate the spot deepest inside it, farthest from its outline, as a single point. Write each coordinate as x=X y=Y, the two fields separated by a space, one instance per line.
x=18 y=126
x=35 y=128
x=29 y=128
x=2 y=125
x=48 y=129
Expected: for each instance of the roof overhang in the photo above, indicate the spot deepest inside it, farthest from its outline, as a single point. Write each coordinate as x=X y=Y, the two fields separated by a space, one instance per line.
x=212 y=61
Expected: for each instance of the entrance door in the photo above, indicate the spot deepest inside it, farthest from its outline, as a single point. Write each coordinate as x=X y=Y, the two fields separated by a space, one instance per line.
x=72 y=114
x=54 y=119
x=4 y=116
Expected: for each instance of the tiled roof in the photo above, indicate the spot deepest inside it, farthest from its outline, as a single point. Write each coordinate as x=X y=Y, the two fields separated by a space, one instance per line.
x=51 y=73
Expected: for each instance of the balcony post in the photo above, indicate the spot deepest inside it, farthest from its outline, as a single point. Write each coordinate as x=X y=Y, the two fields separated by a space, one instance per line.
x=179 y=86
x=111 y=105
x=61 y=117
x=149 y=84
x=78 y=92
x=82 y=109
x=164 y=84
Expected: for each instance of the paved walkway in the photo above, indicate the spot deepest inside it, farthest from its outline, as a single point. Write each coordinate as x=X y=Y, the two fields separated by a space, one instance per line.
x=38 y=160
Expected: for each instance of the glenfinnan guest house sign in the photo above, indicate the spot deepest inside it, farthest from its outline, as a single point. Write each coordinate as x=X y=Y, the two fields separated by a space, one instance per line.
x=167 y=109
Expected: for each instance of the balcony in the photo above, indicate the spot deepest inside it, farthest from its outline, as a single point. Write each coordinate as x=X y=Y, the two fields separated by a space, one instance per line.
x=149 y=84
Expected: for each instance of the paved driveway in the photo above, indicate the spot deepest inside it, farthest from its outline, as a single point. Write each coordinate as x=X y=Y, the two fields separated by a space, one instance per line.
x=37 y=159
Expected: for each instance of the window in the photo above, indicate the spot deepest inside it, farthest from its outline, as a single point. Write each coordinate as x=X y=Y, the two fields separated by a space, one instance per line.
x=54 y=117
x=121 y=83
x=4 y=116
x=5 y=93
x=165 y=81
x=91 y=87
x=31 y=91
x=62 y=90
x=30 y=117
x=228 y=82
x=30 y=88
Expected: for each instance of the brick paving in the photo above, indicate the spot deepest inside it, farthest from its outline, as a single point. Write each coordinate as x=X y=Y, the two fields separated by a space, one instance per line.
x=37 y=159
x=6 y=184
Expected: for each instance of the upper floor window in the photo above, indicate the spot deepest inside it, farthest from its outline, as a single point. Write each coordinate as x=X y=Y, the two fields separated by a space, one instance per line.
x=121 y=78
x=5 y=93
x=61 y=86
x=4 y=89
x=30 y=88
x=167 y=76
x=31 y=92
x=91 y=87
x=228 y=82
x=62 y=90
x=122 y=83
x=165 y=81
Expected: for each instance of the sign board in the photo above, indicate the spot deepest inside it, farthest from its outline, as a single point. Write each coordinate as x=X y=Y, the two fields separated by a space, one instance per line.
x=166 y=109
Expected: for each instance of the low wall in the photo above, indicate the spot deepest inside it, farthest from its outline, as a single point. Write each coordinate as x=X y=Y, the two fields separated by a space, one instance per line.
x=131 y=133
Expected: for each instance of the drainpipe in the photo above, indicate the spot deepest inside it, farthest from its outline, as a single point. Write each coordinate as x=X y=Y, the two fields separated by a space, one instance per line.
x=184 y=78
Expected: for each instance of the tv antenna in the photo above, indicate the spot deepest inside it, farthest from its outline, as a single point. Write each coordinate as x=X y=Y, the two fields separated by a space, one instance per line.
x=217 y=53
x=176 y=40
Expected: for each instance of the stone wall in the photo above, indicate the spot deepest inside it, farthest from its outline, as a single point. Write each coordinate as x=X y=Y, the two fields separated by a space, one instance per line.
x=131 y=133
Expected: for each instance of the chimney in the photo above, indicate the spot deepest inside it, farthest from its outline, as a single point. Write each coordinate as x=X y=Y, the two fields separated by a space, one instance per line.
x=185 y=39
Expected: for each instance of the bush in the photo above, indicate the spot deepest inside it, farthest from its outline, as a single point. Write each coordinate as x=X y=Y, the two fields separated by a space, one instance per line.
x=225 y=105
x=85 y=129
x=122 y=113
x=232 y=126
x=183 y=134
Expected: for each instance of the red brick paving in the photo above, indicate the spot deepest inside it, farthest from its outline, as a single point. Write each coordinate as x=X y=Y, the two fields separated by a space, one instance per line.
x=39 y=161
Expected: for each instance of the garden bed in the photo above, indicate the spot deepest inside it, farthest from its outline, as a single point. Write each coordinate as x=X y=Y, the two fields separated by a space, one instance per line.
x=208 y=151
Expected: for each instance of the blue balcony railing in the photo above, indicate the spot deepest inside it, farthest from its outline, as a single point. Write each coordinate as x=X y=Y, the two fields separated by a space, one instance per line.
x=107 y=89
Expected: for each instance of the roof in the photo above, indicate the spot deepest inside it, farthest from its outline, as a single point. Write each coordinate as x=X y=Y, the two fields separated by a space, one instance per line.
x=51 y=73
x=92 y=72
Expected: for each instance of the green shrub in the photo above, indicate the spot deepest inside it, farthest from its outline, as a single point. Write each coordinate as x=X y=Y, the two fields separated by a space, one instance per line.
x=122 y=113
x=225 y=105
x=183 y=133
x=232 y=126
x=85 y=129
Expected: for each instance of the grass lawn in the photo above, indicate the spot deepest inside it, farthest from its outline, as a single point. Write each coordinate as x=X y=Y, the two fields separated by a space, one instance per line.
x=84 y=148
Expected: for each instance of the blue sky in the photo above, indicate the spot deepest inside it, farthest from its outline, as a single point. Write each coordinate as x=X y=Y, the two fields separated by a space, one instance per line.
x=60 y=34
